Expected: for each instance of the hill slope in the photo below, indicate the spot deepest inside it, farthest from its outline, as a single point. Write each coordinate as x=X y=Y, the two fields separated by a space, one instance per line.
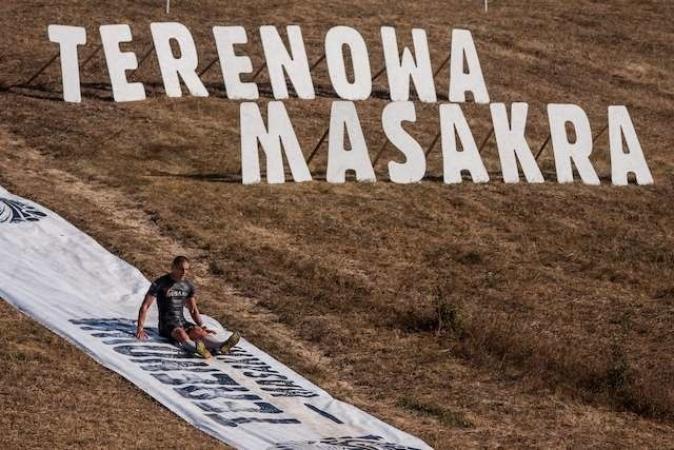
x=469 y=315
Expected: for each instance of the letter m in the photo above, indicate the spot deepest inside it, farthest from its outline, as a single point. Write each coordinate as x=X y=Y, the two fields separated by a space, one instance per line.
x=278 y=135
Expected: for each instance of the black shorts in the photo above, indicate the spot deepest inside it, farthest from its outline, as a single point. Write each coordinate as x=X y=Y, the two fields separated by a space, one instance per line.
x=166 y=329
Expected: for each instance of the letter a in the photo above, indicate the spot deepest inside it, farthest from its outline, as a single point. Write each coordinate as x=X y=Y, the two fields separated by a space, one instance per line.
x=619 y=125
x=453 y=122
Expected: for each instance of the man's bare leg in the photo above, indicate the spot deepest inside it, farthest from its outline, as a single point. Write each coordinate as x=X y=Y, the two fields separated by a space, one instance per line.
x=198 y=333
x=229 y=343
x=183 y=339
x=190 y=342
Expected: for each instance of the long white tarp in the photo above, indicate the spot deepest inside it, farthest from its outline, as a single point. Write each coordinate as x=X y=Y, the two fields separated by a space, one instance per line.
x=65 y=280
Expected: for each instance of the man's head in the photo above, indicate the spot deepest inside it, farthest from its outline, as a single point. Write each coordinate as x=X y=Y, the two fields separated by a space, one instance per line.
x=180 y=267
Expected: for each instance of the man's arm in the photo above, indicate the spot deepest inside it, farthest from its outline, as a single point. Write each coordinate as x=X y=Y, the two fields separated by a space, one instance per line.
x=142 y=314
x=191 y=304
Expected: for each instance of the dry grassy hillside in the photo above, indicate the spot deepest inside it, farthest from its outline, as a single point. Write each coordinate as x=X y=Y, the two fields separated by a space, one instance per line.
x=470 y=315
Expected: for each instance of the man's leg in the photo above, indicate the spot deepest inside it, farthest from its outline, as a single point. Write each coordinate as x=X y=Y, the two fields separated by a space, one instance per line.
x=197 y=333
x=190 y=343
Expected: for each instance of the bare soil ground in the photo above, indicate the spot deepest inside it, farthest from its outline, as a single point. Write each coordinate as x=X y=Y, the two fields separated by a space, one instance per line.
x=472 y=316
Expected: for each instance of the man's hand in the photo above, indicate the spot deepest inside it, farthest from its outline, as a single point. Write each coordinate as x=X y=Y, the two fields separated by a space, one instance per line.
x=141 y=335
x=207 y=330
x=142 y=313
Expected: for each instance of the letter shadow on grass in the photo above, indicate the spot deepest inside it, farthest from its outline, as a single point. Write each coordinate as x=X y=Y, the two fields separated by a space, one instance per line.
x=102 y=91
x=235 y=177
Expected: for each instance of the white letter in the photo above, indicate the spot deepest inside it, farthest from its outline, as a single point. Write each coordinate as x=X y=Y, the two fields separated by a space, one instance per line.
x=278 y=59
x=233 y=66
x=512 y=144
x=619 y=124
x=565 y=151
x=172 y=67
x=280 y=133
x=399 y=70
x=335 y=41
x=452 y=122
x=119 y=62
x=414 y=168
x=460 y=80
x=344 y=118
x=68 y=39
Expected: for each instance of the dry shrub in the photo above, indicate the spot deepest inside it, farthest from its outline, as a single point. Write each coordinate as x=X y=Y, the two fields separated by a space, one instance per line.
x=438 y=312
x=445 y=416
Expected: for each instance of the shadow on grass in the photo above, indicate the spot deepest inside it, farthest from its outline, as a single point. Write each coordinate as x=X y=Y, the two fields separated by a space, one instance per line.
x=235 y=177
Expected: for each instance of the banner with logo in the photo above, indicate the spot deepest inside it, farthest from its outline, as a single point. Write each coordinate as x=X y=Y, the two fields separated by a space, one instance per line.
x=65 y=280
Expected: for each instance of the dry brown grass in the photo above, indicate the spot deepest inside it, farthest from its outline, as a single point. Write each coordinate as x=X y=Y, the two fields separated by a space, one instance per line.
x=471 y=315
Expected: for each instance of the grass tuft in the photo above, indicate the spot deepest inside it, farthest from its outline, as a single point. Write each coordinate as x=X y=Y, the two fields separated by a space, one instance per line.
x=445 y=416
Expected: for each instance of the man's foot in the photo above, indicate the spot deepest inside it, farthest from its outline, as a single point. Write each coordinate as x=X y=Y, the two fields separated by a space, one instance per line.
x=203 y=351
x=230 y=342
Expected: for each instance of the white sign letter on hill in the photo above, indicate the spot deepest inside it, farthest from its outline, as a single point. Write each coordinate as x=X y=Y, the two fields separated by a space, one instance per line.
x=414 y=168
x=172 y=68
x=453 y=122
x=68 y=39
x=512 y=143
x=399 y=70
x=294 y=63
x=565 y=151
x=279 y=133
x=232 y=65
x=119 y=62
x=344 y=118
x=619 y=125
x=335 y=40
x=460 y=79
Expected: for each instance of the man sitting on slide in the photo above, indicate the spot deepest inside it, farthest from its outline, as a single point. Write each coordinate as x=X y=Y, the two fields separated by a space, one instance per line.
x=172 y=291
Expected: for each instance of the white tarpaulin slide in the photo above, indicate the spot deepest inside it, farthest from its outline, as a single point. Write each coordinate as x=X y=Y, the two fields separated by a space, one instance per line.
x=65 y=280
